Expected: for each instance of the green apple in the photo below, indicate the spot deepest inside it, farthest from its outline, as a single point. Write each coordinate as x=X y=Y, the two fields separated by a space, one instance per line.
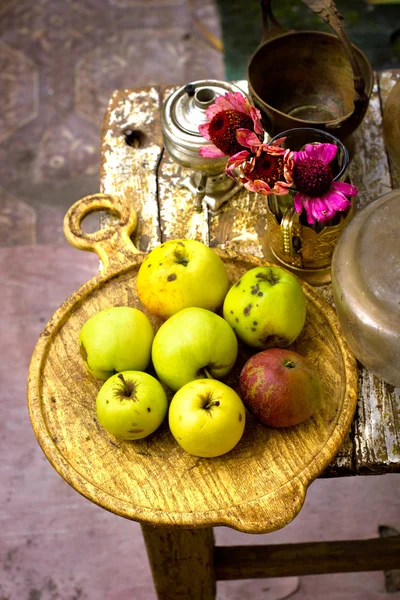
x=193 y=344
x=131 y=405
x=266 y=308
x=207 y=418
x=179 y=274
x=116 y=339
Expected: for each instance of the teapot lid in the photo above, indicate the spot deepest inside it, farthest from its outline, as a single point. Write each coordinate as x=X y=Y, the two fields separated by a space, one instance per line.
x=185 y=109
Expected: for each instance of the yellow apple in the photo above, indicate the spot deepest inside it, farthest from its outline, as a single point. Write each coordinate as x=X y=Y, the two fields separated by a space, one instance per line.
x=131 y=405
x=179 y=274
x=207 y=418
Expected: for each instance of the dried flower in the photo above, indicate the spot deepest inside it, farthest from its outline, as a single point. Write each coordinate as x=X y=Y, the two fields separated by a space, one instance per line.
x=268 y=171
x=229 y=115
x=234 y=127
x=316 y=192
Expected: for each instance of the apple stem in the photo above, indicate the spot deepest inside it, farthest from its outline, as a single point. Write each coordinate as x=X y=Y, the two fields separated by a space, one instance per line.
x=212 y=403
x=289 y=364
x=208 y=375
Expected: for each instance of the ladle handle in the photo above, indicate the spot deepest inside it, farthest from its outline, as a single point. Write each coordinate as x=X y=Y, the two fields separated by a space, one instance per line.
x=271 y=27
x=327 y=11
x=112 y=244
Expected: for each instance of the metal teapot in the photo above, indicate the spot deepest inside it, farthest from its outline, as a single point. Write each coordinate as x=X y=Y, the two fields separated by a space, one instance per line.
x=182 y=113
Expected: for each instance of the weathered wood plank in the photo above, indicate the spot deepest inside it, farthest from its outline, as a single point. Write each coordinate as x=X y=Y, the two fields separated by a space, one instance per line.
x=177 y=206
x=369 y=168
x=131 y=170
x=386 y=80
x=377 y=447
x=182 y=562
x=241 y=224
x=376 y=426
x=178 y=215
x=312 y=558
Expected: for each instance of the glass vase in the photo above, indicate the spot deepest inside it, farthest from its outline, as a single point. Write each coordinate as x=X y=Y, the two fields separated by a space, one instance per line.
x=290 y=240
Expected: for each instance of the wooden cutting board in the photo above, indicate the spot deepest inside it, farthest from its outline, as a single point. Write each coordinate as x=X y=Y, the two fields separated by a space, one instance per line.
x=258 y=487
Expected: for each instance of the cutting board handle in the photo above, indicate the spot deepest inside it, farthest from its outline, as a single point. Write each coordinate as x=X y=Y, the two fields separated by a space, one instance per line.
x=113 y=243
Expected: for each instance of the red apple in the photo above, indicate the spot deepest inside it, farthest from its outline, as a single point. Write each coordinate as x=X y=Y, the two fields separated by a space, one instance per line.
x=282 y=388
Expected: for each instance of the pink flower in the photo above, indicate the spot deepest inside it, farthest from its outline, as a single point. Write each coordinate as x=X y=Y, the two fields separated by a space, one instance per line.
x=230 y=114
x=268 y=171
x=316 y=192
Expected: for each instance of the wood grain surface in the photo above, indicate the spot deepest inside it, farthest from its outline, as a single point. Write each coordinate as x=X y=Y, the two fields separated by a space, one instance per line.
x=373 y=443
x=182 y=562
x=258 y=487
x=310 y=558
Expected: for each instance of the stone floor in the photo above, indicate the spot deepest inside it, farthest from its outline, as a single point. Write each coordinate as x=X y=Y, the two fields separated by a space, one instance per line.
x=59 y=62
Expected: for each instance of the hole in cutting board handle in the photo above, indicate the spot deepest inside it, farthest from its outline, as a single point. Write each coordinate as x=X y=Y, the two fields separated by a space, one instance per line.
x=91 y=222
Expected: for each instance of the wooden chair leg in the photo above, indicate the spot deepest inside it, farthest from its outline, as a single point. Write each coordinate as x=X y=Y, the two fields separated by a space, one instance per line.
x=182 y=562
x=392 y=576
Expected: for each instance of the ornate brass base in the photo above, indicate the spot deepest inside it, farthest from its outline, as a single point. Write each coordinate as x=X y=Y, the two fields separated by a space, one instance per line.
x=300 y=248
x=312 y=276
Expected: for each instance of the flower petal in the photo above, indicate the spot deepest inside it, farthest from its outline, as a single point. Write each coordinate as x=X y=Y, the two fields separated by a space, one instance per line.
x=307 y=207
x=229 y=101
x=281 y=188
x=211 y=152
x=224 y=102
x=262 y=186
x=204 y=130
x=249 y=185
x=324 y=152
x=273 y=149
x=279 y=141
x=237 y=159
x=319 y=209
x=298 y=201
x=336 y=201
x=256 y=116
x=247 y=138
x=257 y=186
x=299 y=156
x=288 y=167
x=239 y=102
x=213 y=110
x=346 y=188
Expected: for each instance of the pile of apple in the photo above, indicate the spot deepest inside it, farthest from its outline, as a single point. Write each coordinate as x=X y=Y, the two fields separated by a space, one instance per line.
x=184 y=282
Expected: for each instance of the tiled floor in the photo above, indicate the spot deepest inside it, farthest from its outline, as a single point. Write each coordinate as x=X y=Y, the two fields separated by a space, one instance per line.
x=59 y=61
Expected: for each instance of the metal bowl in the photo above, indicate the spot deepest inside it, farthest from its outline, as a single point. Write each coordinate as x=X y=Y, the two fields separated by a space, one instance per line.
x=309 y=78
x=366 y=286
